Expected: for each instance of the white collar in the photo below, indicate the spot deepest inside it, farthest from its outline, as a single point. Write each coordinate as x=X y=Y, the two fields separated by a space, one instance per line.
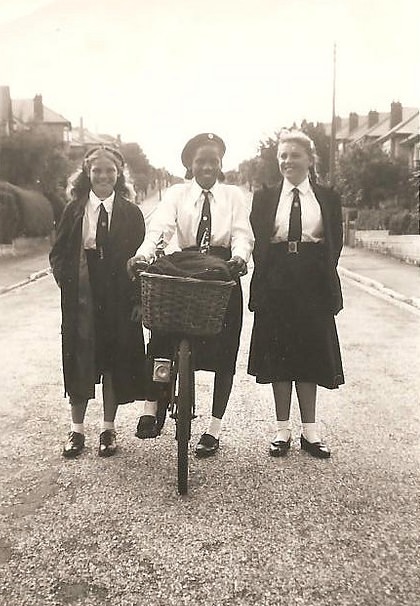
x=197 y=190
x=303 y=187
x=96 y=202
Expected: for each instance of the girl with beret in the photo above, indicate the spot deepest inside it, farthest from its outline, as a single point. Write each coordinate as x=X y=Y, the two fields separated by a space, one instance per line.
x=295 y=291
x=204 y=200
x=102 y=337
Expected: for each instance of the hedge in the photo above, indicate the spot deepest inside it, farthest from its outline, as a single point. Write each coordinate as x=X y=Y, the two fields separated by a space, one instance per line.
x=24 y=213
x=9 y=213
x=398 y=222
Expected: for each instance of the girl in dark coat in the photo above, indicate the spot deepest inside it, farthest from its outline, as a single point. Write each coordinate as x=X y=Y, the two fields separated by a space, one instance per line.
x=295 y=292
x=102 y=337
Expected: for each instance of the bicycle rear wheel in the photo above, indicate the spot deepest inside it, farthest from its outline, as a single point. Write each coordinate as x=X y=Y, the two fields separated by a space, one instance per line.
x=185 y=402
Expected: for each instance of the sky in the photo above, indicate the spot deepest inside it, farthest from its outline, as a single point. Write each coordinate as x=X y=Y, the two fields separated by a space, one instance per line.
x=160 y=71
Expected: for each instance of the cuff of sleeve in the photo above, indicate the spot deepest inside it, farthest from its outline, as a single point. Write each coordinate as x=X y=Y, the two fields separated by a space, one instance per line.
x=240 y=252
x=145 y=251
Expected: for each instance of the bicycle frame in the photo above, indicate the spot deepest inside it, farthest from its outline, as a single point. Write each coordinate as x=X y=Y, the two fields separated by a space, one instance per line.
x=178 y=374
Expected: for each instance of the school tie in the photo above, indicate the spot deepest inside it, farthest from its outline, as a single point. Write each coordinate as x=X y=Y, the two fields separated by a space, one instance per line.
x=204 y=227
x=102 y=232
x=295 y=221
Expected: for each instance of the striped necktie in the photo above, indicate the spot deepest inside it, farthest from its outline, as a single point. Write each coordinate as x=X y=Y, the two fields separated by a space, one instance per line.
x=102 y=232
x=204 y=227
x=295 y=221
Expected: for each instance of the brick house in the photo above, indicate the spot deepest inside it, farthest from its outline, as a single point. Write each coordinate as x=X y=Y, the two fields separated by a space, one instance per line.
x=31 y=114
x=396 y=131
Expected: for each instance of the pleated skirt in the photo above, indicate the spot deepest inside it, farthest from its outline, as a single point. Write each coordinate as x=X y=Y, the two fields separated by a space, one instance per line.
x=294 y=336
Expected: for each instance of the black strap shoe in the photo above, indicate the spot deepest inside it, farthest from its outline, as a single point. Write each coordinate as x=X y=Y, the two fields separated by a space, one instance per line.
x=74 y=445
x=316 y=449
x=279 y=448
x=207 y=446
x=147 y=427
x=107 y=443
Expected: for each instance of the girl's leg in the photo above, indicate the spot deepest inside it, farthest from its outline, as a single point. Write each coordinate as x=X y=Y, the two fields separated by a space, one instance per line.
x=222 y=387
x=282 y=391
x=78 y=411
x=107 y=439
x=110 y=404
x=209 y=441
x=307 y=403
x=76 y=439
x=311 y=436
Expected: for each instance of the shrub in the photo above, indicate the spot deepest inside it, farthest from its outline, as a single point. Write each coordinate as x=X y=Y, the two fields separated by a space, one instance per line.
x=9 y=213
x=373 y=218
x=404 y=222
x=36 y=217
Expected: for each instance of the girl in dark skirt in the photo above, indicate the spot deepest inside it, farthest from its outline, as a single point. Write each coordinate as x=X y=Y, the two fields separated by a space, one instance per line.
x=295 y=292
x=201 y=208
x=102 y=337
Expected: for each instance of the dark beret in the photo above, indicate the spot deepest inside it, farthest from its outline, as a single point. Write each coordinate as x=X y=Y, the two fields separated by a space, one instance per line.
x=198 y=141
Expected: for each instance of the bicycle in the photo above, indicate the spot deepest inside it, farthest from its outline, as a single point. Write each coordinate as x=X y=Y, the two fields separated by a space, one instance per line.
x=184 y=308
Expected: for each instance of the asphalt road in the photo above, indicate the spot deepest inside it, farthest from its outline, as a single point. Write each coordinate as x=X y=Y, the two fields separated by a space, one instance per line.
x=253 y=530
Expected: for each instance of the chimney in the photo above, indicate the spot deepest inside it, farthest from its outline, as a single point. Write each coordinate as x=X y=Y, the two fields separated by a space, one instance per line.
x=373 y=118
x=6 y=115
x=396 y=114
x=353 y=121
x=38 y=109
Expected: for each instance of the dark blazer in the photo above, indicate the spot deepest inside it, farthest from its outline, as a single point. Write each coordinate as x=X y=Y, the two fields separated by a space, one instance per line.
x=68 y=264
x=263 y=213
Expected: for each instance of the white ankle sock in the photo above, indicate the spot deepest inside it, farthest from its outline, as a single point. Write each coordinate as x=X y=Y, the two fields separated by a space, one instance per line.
x=283 y=431
x=215 y=427
x=108 y=425
x=78 y=427
x=311 y=432
x=150 y=408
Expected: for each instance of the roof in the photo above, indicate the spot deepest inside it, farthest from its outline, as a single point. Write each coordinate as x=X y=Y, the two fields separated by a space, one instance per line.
x=411 y=140
x=408 y=126
x=23 y=111
x=90 y=138
x=382 y=125
x=380 y=129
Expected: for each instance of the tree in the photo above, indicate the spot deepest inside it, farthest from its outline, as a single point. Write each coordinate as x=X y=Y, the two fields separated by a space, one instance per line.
x=322 y=146
x=232 y=177
x=268 y=167
x=141 y=171
x=36 y=160
x=367 y=176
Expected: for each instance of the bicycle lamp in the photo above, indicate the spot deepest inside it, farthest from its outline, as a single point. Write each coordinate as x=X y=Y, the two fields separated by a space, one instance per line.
x=162 y=370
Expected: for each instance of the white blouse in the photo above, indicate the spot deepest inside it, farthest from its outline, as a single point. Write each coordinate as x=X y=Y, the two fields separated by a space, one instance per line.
x=180 y=211
x=312 y=227
x=91 y=215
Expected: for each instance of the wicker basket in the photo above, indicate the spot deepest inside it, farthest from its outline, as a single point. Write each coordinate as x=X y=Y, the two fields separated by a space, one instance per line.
x=184 y=305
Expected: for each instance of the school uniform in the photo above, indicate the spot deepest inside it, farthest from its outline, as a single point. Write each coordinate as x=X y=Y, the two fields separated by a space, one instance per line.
x=295 y=289
x=180 y=212
x=97 y=297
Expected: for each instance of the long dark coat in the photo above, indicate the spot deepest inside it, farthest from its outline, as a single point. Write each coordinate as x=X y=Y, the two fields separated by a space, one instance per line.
x=263 y=213
x=69 y=266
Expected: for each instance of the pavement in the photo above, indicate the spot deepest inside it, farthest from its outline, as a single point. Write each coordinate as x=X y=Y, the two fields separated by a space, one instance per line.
x=383 y=275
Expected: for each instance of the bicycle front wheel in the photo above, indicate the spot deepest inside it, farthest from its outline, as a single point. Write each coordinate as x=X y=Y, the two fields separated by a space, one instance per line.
x=185 y=403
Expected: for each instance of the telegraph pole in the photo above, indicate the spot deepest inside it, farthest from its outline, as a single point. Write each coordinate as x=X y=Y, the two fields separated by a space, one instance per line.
x=333 y=126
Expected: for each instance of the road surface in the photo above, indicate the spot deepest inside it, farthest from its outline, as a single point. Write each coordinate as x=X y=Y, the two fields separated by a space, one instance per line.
x=253 y=530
